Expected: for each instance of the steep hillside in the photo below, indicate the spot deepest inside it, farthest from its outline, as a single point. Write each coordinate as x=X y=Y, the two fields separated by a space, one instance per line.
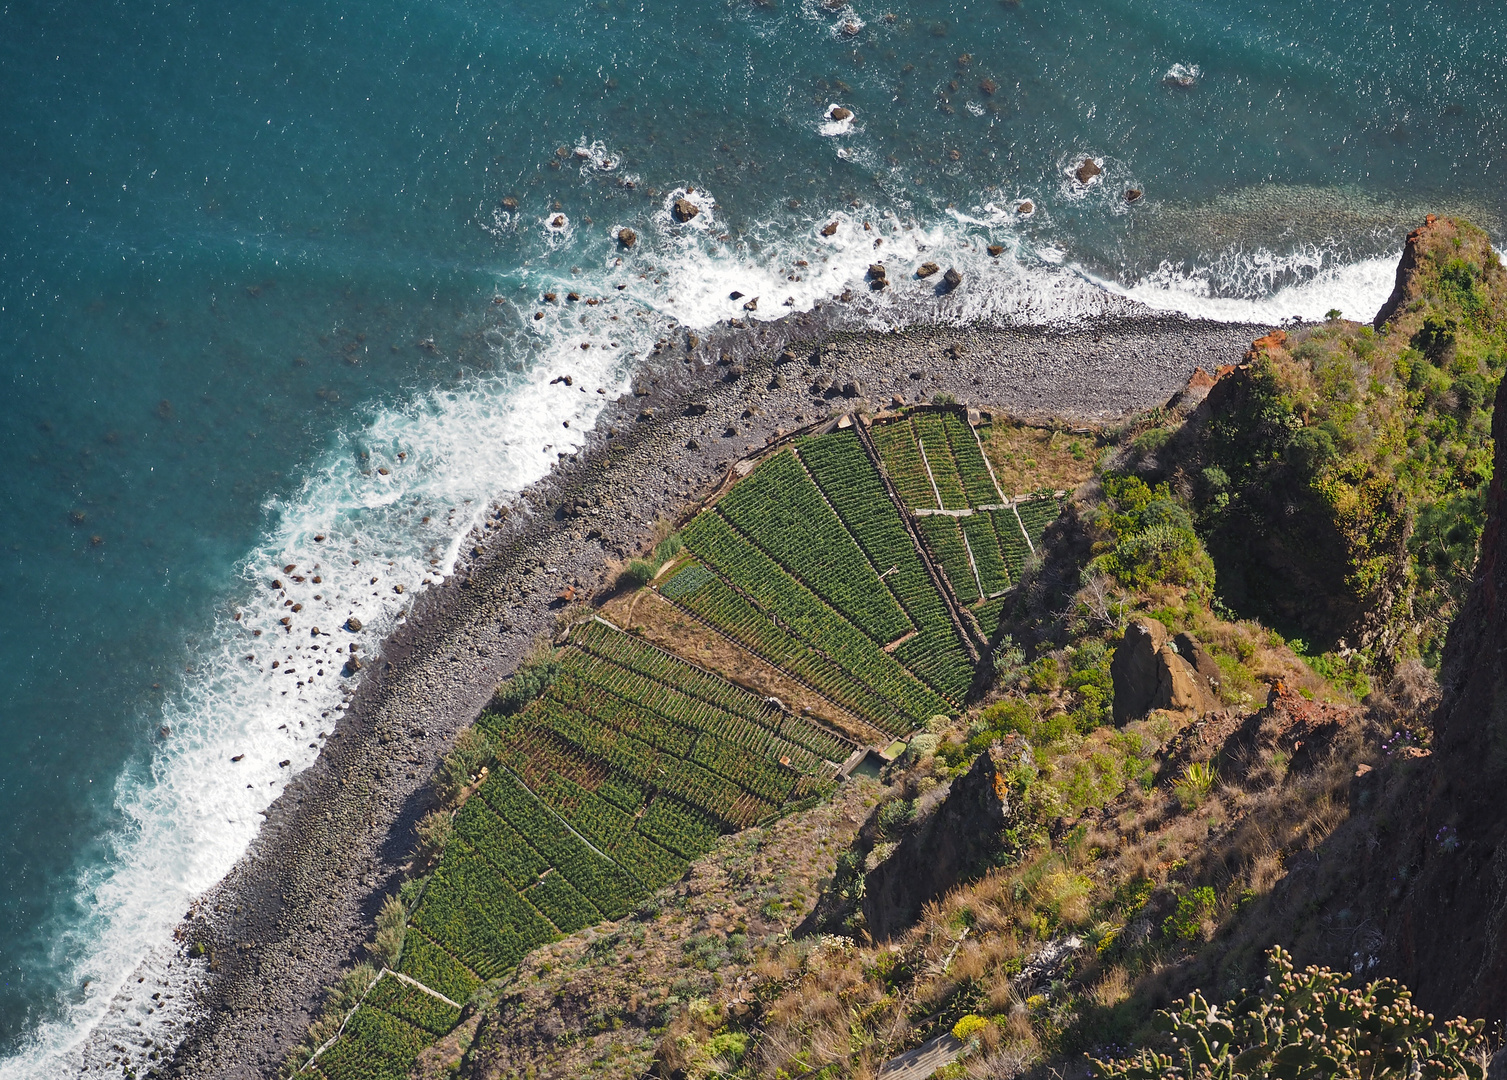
x=1338 y=475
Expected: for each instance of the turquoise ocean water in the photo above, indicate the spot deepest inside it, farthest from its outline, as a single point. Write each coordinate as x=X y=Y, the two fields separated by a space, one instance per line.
x=268 y=274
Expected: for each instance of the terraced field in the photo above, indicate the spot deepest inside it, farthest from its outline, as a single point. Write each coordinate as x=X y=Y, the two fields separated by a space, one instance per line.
x=632 y=762
x=978 y=535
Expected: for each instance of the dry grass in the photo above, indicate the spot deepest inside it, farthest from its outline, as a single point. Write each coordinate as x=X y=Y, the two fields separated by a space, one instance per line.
x=1029 y=458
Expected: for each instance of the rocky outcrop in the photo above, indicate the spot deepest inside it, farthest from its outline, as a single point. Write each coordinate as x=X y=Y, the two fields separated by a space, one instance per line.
x=954 y=844
x=1152 y=671
x=1450 y=935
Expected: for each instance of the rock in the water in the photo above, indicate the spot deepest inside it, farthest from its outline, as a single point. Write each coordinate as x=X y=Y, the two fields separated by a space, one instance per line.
x=627 y=237
x=958 y=842
x=952 y=279
x=988 y=86
x=752 y=305
x=353 y=624
x=839 y=113
x=510 y=203
x=1133 y=195
x=927 y=269
x=1087 y=170
x=876 y=272
x=829 y=229
x=996 y=250
x=1025 y=208
x=685 y=210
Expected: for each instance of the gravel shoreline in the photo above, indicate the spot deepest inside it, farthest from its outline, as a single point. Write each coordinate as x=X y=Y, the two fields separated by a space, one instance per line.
x=300 y=903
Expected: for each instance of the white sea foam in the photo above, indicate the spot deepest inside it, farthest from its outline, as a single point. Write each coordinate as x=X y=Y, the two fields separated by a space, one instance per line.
x=830 y=126
x=1249 y=287
x=396 y=500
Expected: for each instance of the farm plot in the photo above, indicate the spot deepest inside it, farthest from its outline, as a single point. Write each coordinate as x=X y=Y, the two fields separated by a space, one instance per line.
x=896 y=443
x=932 y=433
x=602 y=790
x=383 y=1038
x=703 y=594
x=993 y=574
x=973 y=470
x=780 y=510
x=945 y=540
x=1013 y=545
x=765 y=583
x=1037 y=513
x=852 y=485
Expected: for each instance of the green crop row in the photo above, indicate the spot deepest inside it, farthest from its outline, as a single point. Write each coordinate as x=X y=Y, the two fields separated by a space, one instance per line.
x=732 y=613
x=762 y=580
x=848 y=478
x=897 y=448
x=624 y=651
x=754 y=771
x=599 y=879
x=778 y=509
x=679 y=827
x=412 y=1005
x=644 y=763
x=1037 y=514
x=561 y=904
x=693 y=713
x=375 y=1045
x=945 y=540
x=499 y=843
x=944 y=470
x=471 y=910
x=973 y=471
x=988 y=615
x=1012 y=541
x=435 y=968
x=984 y=544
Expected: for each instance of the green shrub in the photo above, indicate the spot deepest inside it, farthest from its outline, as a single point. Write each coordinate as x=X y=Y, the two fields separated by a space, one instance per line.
x=1307 y=1024
x=433 y=832
x=637 y=574
x=969 y=1027
x=730 y=1046
x=1193 y=908
x=462 y=764
x=531 y=679
x=895 y=816
x=392 y=923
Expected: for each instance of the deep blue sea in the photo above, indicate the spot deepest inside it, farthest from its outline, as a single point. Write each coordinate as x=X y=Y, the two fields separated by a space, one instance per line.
x=268 y=283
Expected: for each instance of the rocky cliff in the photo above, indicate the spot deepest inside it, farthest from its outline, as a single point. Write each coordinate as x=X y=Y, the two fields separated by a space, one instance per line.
x=955 y=843
x=1450 y=933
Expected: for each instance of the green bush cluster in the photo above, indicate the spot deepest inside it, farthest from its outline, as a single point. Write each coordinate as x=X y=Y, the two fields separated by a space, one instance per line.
x=1307 y=1024
x=1149 y=538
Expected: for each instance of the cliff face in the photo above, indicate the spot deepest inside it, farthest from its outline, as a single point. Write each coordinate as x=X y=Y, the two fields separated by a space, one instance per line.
x=1451 y=930
x=1336 y=475
x=955 y=844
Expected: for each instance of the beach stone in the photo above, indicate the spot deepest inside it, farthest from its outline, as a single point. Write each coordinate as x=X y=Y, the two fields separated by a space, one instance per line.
x=852 y=389
x=627 y=237
x=876 y=271
x=685 y=210
x=927 y=269
x=1133 y=195
x=695 y=408
x=1087 y=170
x=829 y=229
x=693 y=443
x=752 y=305
x=952 y=279
x=353 y=624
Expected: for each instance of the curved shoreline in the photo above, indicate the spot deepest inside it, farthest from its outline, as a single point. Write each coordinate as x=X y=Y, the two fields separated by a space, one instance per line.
x=300 y=903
